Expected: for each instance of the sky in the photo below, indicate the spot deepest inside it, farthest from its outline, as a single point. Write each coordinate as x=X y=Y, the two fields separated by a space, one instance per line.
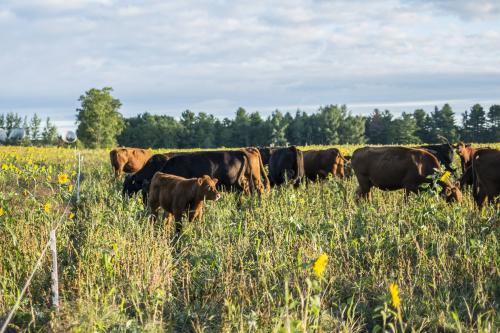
x=214 y=56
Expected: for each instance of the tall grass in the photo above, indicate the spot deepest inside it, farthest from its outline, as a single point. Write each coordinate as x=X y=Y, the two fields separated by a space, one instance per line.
x=246 y=267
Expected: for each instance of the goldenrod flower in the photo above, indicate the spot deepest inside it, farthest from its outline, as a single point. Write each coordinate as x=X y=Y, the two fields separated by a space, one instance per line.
x=46 y=207
x=2 y=211
x=62 y=178
x=320 y=265
x=5 y=167
x=396 y=301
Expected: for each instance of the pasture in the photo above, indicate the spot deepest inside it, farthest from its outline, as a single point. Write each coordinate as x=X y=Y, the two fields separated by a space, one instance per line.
x=245 y=267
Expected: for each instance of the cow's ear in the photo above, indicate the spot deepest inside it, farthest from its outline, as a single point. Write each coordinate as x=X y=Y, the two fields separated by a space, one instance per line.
x=215 y=180
x=447 y=191
x=457 y=184
x=200 y=181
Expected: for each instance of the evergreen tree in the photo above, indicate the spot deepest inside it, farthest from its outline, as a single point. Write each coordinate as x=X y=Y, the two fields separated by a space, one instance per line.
x=443 y=124
x=378 y=127
x=403 y=130
x=34 y=125
x=49 y=133
x=494 y=123
x=476 y=122
x=278 y=129
x=99 y=122
x=424 y=124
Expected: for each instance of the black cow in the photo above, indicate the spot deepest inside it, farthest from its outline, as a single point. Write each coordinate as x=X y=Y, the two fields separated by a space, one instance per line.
x=231 y=168
x=265 y=154
x=443 y=152
x=133 y=183
x=286 y=163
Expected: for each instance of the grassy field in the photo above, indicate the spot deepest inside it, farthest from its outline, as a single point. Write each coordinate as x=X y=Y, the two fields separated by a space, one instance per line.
x=242 y=269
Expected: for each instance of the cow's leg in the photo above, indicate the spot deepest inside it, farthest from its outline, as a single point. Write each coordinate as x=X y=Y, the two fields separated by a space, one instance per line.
x=363 y=190
x=196 y=213
x=480 y=197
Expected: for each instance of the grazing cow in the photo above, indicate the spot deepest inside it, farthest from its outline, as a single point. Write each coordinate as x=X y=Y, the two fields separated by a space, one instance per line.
x=394 y=168
x=286 y=163
x=134 y=183
x=321 y=163
x=128 y=160
x=486 y=174
x=348 y=173
x=443 y=152
x=230 y=167
x=465 y=151
x=258 y=172
x=177 y=195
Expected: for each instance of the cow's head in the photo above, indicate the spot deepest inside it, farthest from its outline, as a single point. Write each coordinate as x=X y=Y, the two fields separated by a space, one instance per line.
x=207 y=189
x=131 y=185
x=452 y=192
x=464 y=151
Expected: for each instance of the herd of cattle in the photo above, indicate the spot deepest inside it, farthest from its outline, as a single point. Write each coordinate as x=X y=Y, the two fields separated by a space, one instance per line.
x=179 y=182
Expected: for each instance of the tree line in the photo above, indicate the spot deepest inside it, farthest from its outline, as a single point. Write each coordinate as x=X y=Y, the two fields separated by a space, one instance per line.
x=331 y=124
x=100 y=124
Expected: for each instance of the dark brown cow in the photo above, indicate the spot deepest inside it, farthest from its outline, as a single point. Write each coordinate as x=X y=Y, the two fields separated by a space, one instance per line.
x=258 y=172
x=128 y=160
x=321 y=163
x=465 y=151
x=486 y=174
x=394 y=168
x=177 y=195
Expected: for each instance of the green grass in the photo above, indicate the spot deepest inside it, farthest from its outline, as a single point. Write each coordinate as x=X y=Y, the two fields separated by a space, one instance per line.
x=246 y=268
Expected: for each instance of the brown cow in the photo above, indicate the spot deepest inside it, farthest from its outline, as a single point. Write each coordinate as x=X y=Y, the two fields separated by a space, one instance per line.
x=128 y=160
x=177 y=195
x=465 y=151
x=257 y=170
x=321 y=163
x=486 y=174
x=394 y=168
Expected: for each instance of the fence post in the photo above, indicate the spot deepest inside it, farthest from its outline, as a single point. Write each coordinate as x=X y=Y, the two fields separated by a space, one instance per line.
x=78 y=178
x=54 y=275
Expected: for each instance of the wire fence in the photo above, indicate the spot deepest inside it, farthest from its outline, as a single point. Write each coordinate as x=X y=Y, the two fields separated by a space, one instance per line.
x=51 y=243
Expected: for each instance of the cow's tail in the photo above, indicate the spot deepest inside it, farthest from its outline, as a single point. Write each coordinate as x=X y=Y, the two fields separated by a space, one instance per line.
x=267 y=184
x=245 y=180
x=299 y=167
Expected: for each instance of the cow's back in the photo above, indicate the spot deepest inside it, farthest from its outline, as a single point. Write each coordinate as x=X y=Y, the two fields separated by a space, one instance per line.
x=227 y=166
x=390 y=168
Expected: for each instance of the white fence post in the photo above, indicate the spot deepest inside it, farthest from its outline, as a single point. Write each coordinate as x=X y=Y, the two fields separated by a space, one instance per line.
x=78 y=178
x=54 y=275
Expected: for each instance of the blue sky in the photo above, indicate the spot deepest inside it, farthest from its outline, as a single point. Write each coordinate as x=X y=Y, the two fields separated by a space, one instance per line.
x=214 y=56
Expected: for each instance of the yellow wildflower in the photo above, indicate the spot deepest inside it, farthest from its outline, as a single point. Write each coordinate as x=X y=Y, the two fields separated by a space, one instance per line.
x=62 y=178
x=46 y=207
x=49 y=178
x=5 y=167
x=70 y=188
x=320 y=265
x=2 y=211
x=71 y=216
x=445 y=176
x=396 y=301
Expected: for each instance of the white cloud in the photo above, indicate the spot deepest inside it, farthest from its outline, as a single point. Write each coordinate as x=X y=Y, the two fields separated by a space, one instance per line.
x=220 y=55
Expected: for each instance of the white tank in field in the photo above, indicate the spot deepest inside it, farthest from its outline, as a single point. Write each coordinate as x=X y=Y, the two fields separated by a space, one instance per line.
x=69 y=137
x=17 y=134
x=3 y=135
